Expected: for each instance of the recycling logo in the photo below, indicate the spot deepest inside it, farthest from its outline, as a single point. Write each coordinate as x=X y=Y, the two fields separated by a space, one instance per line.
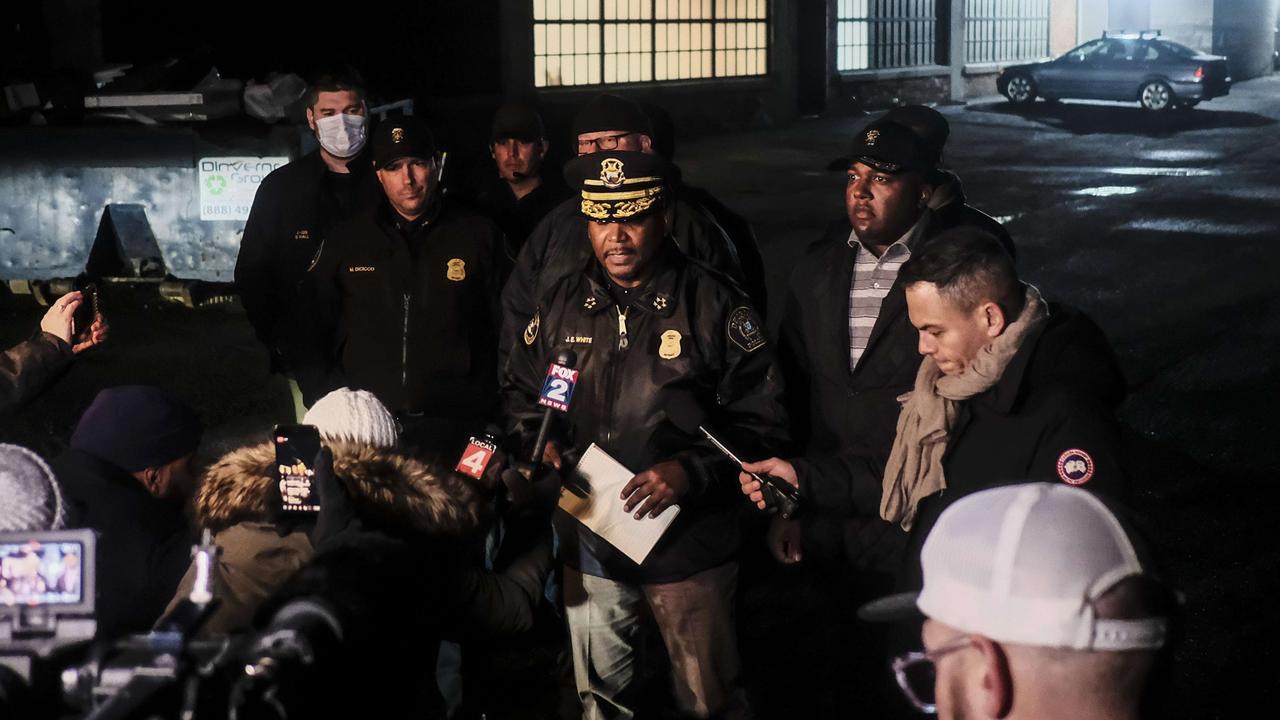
x=215 y=184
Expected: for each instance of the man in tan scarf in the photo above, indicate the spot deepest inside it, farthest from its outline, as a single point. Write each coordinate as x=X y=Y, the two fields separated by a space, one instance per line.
x=1011 y=389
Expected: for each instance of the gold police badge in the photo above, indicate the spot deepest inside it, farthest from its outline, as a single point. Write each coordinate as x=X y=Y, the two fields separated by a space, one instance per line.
x=531 y=330
x=611 y=173
x=670 y=347
x=456 y=270
x=872 y=136
x=397 y=135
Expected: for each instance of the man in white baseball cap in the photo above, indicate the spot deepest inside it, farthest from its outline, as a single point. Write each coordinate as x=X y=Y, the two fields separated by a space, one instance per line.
x=1036 y=605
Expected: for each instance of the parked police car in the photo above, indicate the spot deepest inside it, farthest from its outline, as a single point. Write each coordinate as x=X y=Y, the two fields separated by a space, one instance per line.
x=1157 y=72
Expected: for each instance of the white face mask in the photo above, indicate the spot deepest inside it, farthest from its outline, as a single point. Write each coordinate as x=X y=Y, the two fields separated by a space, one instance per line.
x=342 y=135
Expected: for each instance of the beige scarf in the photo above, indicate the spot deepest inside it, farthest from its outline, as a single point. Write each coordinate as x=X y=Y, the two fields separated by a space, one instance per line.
x=929 y=412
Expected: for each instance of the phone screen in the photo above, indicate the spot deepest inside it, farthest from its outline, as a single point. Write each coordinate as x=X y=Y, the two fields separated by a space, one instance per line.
x=87 y=310
x=296 y=450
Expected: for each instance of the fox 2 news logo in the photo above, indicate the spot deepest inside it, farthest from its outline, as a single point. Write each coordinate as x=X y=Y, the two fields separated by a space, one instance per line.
x=557 y=391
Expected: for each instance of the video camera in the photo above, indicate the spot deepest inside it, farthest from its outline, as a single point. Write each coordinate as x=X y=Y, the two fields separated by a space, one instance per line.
x=46 y=608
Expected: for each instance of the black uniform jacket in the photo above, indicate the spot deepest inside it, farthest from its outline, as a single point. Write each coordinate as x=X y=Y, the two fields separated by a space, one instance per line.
x=1050 y=418
x=519 y=216
x=144 y=544
x=417 y=317
x=293 y=211
x=559 y=248
x=690 y=334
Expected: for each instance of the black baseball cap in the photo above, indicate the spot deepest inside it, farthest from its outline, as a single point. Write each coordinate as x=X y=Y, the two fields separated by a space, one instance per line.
x=611 y=112
x=401 y=136
x=517 y=120
x=889 y=147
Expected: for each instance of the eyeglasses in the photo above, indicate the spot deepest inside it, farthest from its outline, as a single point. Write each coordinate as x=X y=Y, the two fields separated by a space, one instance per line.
x=917 y=673
x=608 y=142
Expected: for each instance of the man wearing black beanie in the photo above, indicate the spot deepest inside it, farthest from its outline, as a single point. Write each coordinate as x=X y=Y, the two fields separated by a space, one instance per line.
x=128 y=475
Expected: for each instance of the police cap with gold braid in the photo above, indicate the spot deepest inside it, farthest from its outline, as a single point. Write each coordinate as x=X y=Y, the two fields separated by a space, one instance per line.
x=618 y=186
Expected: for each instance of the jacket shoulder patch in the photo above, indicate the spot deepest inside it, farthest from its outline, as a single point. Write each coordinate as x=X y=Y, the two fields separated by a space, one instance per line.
x=745 y=330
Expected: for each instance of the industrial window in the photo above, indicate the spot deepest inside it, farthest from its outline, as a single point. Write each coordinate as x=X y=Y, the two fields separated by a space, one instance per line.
x=874 y=34
x=1001 y=30
x=592 y=42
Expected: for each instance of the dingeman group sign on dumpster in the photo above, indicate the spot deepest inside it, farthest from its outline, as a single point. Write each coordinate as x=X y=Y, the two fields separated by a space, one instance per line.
x=228 y=184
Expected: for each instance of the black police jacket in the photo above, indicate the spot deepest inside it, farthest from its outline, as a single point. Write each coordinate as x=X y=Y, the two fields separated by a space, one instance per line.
x=416 y=316
x=558 y=247
x=1050 y=418
x=294 y=209
x=691 y=335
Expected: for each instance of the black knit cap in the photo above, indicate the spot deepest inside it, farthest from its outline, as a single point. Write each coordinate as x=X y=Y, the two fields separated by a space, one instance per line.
x=135 y=427
x=617 y=185
x=401 y=136
x=611 y=112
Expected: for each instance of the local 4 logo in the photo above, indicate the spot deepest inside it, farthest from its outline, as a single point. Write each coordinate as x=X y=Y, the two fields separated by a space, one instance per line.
x=557 y=391
x=476 y=457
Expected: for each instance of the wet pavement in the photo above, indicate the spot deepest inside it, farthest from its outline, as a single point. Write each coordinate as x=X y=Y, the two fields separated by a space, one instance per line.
x=1165 y=229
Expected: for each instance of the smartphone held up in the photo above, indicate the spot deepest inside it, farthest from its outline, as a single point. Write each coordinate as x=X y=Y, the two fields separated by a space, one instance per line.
x=296 y=450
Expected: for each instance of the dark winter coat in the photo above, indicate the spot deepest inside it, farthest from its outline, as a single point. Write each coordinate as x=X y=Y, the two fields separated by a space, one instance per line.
x=293 y=211
x=144 y=543
x=840 y=414
x=1050 y=418
x=690 y=334
x=26 y=368
x=389 y=492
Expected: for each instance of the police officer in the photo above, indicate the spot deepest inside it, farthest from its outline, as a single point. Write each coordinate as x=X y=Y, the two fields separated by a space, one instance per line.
x=522 y=194
x=650 y=327
x=295 y=207
x=556 y=247
x=413 y=286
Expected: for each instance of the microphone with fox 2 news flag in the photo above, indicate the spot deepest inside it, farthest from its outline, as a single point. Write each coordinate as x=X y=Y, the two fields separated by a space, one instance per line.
x=556 y=395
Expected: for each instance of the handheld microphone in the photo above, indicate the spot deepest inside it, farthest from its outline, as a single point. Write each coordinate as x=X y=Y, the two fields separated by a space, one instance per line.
x=688 y=417
x=557 y=394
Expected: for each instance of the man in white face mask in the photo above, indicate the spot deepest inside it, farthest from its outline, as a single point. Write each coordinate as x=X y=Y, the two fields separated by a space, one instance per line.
x=295 y=208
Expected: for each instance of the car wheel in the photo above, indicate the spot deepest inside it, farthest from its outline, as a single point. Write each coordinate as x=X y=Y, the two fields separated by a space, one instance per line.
x=1156 y=96
x=1020 y=90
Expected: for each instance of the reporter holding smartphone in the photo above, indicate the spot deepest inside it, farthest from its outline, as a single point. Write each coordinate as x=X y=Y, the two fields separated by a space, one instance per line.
x=30 y=366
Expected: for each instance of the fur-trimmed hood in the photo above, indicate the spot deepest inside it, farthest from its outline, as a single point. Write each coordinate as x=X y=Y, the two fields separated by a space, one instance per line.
x=391 y=491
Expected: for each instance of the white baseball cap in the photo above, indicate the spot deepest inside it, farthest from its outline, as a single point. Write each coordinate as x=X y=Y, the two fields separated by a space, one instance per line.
x=1025 y=564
